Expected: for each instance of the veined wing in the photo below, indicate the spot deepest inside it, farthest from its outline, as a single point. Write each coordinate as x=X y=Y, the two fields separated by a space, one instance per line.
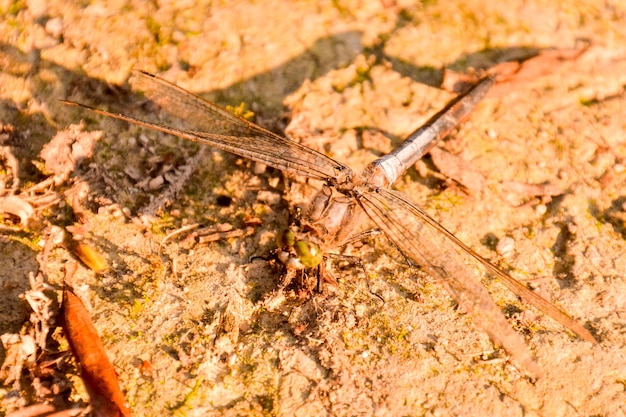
x=221 y=129
x=445 y=257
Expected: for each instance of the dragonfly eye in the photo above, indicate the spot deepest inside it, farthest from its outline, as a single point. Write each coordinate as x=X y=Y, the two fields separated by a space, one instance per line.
x=286 y=239
x=309 y=253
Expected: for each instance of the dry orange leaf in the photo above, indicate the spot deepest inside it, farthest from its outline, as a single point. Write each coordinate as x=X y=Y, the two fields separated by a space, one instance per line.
x=97 y=372
x=90 y=257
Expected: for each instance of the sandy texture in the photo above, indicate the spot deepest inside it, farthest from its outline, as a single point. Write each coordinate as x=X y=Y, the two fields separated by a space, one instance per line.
x=182 y=321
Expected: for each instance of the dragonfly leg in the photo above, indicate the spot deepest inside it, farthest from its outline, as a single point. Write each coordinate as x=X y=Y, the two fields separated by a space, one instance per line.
x=357 y=237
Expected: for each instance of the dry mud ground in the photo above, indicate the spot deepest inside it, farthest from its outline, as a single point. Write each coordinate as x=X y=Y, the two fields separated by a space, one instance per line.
x=182 y=321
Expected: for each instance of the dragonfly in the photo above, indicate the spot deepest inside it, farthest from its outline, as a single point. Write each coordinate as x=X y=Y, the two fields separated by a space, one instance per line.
x=348 y=199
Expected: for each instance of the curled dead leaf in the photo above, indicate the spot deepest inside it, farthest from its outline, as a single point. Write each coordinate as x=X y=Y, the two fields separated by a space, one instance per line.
x=18 y=207
x=533 y=190
x=513 y=74
x=458 y=169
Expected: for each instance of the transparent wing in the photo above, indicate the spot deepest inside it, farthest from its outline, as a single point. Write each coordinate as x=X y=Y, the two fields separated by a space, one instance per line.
x=215 y=126
x=448 y=259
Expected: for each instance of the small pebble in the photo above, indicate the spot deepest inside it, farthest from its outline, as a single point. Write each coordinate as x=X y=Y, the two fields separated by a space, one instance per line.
x=259 y=168
x=268 y=197
x=273 y=182
x=54 y=27
x=505 y=247
x=156 y=182
x=572 y=228
x=223 y=227
x=133 y=172
x=360 y=310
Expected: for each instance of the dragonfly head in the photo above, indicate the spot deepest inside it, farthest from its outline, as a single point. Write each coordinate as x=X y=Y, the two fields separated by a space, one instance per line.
x=297 y=253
